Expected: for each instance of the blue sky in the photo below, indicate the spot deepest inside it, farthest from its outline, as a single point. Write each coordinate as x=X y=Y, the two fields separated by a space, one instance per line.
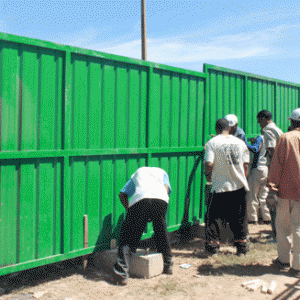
x=261 y=37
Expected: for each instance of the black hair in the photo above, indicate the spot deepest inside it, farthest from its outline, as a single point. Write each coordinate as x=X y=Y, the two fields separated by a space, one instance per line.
x=222 y=125
x=264 y=114
x=295 y=124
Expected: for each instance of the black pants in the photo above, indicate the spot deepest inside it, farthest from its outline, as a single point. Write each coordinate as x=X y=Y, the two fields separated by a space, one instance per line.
x=135 y=223
x=227 y=207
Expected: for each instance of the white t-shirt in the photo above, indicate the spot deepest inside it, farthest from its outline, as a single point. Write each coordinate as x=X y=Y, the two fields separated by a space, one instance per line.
x=147 y=182
x=228 y=155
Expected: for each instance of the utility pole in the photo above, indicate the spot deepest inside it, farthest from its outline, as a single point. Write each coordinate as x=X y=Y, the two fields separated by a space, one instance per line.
x=144 y=36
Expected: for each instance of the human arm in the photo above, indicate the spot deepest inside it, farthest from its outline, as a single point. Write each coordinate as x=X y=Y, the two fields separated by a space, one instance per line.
x=246 y=160
x=124 y=200
x=167 y=183
x=209 y=159
x=270 y=153
x=270 y=144
x=245 y=165
x=208 y=170
x=255 y=148
x=127 y=191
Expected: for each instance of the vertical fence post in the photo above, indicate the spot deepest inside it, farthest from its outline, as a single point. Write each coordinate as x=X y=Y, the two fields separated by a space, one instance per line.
x=275 y=103
x=150 y=99
x=246 y=107
x=207 y=126
x=67 y=145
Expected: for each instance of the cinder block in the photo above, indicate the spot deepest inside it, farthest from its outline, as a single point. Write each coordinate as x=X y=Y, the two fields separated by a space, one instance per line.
x=141 y=264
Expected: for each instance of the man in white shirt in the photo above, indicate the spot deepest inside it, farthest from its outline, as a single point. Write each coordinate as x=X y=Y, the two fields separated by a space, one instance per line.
x=150 y=189
x=271 y=137
x=226 y=166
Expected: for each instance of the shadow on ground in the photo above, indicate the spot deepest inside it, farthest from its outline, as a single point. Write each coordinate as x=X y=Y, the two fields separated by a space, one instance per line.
x=16 y=282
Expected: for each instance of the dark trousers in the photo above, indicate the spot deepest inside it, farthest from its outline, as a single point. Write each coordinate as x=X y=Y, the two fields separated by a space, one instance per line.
x=135 y=223
x=227 y=207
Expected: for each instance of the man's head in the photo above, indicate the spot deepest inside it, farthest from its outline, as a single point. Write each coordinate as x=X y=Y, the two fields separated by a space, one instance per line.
x=233 y=123
x=264 y=117
x=222 y=126
x=295 y=118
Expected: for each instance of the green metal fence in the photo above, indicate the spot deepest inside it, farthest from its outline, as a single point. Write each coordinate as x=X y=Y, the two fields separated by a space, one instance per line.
x=245 y=94
x=75 y=125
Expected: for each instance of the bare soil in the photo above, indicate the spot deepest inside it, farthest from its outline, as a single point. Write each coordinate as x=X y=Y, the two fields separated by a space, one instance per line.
x=208 y=278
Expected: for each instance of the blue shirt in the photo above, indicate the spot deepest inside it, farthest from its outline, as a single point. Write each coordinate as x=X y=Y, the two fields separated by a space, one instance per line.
x=255 y=150
x=240 y=134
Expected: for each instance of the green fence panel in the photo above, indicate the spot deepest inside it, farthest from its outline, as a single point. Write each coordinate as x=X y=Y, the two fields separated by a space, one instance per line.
x=75 y=125
x=176 y=117
x=287 y=99
x=245 y=94
x=225 y=96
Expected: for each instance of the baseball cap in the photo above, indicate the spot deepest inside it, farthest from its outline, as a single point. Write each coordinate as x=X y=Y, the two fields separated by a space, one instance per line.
x=232 y=119
x=295 y=115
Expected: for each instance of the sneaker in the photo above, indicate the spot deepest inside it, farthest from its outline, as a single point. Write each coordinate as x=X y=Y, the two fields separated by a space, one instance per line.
x=241 y=253
x=294 y=273
x=168 y=269
x=280 y=265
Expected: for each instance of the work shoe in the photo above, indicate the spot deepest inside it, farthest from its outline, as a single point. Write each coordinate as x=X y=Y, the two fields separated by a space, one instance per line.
x=168 y=269
x=168 y=266
x=280 y=265
x=211 y=251
x=242 y=249
x=294 y=272
x=120 y=277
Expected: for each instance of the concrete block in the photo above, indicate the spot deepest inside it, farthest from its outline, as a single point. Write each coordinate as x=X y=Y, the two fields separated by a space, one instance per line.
x=141 y=264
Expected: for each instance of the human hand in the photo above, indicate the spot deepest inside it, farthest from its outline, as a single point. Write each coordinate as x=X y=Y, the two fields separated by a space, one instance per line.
x=272 y=200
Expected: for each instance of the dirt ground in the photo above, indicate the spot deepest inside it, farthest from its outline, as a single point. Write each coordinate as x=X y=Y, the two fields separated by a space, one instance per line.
x=208 y=278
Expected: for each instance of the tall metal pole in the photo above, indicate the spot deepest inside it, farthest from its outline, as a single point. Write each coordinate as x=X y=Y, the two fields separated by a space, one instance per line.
x=144 y=35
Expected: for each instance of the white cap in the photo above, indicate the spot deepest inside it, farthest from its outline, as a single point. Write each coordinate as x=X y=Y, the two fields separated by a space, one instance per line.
x=295 y=115
x=232 y=119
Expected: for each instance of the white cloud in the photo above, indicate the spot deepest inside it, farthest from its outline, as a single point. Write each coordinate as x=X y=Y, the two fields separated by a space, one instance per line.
x=193 y=49
x=3 y=27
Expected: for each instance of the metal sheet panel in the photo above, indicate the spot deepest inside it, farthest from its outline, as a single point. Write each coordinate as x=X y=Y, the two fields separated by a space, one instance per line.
x=31 y=202
x=287 y=99
x=251 y=93
x=226 y=96
x=260 y=95
x=176 y=116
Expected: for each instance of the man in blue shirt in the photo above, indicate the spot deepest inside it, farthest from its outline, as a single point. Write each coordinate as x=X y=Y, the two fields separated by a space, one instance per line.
x=149 y=189
x=234 y=129
x=257 y=180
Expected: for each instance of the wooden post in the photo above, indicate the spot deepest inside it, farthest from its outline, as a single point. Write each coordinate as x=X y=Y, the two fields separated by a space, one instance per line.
x=144 y=36
x=85 y=240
